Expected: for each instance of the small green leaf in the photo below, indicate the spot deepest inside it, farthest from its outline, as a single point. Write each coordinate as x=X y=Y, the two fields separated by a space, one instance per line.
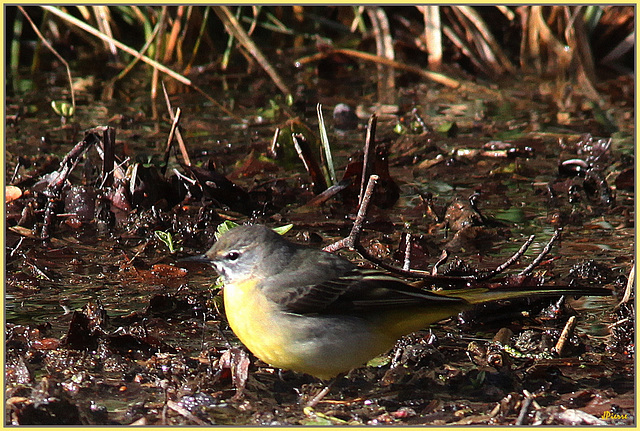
x=63 y=108
x=400 y=129
x=450 y=128
x=224 y=227
x=283 y=229
x=227 y=225
x=167 y=239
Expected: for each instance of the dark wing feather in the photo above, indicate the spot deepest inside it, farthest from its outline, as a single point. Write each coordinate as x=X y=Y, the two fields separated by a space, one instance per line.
x=376 y=290
x=335 y=286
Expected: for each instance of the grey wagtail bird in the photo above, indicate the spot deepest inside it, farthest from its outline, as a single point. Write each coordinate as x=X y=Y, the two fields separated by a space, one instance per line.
x=306 y=310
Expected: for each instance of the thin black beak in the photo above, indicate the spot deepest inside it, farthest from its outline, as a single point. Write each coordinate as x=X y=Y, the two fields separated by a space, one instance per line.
x=202 y=258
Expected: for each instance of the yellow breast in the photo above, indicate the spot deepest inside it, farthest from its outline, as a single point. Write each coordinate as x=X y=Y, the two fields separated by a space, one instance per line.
x=256 y=322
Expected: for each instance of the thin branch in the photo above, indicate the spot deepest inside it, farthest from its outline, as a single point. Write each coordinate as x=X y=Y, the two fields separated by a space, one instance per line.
x=108 y=160
x=273 y=150
x=407 y=252
x=432 y=34
x=484 y=33
x=524 y=410
x=628 y=291
x=384 y=48
x=310 y=162
x=517 y=255
x=433 y=76
x=416 y=274
x=328 y=193
x=172 y=133
x=368 y=153
x=434 y=277
x=181 y=145
x=54 y=188
x=543 y=253
x=444 y=256
x=354 y=236
x=103 y=18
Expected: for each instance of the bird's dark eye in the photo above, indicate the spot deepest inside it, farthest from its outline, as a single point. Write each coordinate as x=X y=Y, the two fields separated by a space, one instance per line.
x=232 y=255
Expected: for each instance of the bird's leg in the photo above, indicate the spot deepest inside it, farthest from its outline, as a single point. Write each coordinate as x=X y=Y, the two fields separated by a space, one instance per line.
x=315 y=400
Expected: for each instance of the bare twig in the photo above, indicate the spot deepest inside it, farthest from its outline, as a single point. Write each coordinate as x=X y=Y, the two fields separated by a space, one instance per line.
x=354 y=236
x=492 y=51
x=524 y=410
x=407 y=252
x=323 y=393
x=620 y=49
x=432 y=34
x=564 y=336
x=416 y=274
x=526 y=403
x=384 y=48
x=172 y=133
x=628 y=291
x=181 y=145
x=466 y=50
x=517 y=255
x=368 y=153
x=612 y=325
x=433 y=76
x=273 y=150
x=432 y=277
x=103 y=19
x=543 y=253
x=184 y=178
x=173 y=36
x=108 y=159
x=108 y=87
x=444 y=256
x=106 y=151
x=310 y=162
x=329 y=193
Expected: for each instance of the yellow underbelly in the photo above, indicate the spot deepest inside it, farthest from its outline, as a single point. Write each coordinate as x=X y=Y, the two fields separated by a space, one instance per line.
x=322 y=346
